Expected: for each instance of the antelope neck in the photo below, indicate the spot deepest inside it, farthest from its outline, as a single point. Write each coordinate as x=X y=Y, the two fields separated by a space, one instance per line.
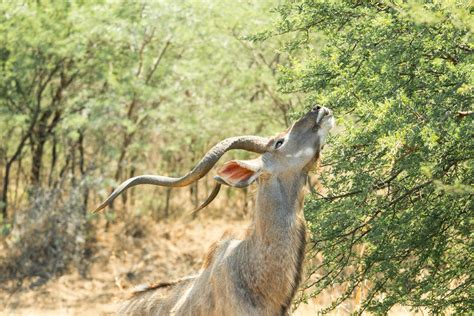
x=278 y=239
x=278 y=205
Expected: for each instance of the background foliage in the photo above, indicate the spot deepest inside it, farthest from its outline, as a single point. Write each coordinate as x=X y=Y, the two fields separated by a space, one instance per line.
x=94 y=92
x=94 y=88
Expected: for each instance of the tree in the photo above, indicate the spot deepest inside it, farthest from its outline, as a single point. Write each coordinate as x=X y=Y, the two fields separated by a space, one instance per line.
x=93 y=89
x=38 y=71
x=397 y=210
x=92 y=93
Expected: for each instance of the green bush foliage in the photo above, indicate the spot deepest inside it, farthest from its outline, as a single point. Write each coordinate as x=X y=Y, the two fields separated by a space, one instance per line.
x=396 y=213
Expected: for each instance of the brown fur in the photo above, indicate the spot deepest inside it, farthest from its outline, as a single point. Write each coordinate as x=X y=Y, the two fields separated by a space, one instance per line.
x=210 y=255
x=259 y=274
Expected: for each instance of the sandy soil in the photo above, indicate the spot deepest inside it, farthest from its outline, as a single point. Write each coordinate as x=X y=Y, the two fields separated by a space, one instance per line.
x=127 y=256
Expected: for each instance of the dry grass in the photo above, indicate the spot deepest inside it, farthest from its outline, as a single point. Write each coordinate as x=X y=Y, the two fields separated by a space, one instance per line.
x=126 y=256
x=47 y=238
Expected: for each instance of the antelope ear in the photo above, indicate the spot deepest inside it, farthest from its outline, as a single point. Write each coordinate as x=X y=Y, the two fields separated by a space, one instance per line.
x=239 y=173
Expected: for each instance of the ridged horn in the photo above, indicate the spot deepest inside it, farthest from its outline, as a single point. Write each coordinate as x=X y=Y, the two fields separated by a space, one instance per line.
x=254 y=144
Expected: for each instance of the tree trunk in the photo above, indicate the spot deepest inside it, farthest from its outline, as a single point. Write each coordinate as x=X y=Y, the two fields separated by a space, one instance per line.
x=73 y=164
x=167 y=202
x=4 y=195
x=127 y=140
x=38 y=140
x=82 y=169
x=36 y=161
x=132 y=190
x=195 y=199
x=53 y=162
x=6 y=176
x=14 y=201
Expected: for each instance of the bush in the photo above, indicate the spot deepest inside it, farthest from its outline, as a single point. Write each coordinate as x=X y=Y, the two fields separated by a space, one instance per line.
x=46 y=237
x=399 y=203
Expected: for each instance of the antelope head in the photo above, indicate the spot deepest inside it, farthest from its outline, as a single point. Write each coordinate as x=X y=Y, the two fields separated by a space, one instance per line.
x=292 y=152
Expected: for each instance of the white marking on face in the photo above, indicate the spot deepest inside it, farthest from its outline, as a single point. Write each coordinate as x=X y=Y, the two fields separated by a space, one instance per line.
x=309 y=151
x=325 y=128
x=320 y=116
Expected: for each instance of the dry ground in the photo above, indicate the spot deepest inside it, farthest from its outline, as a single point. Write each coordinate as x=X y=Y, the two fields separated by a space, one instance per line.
x=126 y=256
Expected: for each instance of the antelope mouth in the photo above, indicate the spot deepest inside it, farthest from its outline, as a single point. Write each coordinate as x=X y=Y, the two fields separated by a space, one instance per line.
x=324 y=120
x=325 y=114
x=328 y=121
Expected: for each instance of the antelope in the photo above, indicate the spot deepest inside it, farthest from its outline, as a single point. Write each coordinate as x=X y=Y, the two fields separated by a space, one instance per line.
x=259 y=274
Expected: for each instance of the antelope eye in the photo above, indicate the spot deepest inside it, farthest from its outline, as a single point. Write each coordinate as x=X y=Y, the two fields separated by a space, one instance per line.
x=279 y=143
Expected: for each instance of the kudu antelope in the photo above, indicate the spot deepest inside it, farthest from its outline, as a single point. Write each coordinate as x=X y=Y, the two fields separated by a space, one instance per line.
x=258 y=275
